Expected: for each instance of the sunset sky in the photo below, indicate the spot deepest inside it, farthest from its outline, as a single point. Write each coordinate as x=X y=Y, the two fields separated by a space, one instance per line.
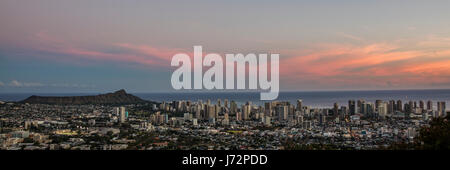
x=105 y=45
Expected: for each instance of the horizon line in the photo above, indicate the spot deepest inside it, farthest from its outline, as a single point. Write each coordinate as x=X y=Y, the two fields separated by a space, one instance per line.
x=231 y=91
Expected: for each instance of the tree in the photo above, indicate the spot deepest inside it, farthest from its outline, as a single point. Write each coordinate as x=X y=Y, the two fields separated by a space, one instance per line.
x=436 y=136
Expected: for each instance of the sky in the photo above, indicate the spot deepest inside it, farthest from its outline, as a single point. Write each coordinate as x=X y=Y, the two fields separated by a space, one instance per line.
x=104 y=45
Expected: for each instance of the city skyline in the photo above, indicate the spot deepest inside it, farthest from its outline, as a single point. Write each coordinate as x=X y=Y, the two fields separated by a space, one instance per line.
x=125 y=122
x=84 y=46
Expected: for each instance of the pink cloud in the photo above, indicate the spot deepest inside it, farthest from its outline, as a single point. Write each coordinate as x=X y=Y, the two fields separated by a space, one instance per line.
x=164 y=54
x=124 y=53
x=372 y=65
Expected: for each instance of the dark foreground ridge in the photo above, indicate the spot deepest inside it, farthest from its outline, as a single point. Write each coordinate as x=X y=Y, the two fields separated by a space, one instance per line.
x=118 y=97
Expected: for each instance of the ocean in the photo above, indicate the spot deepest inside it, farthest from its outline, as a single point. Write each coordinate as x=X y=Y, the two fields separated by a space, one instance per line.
x=320 y=99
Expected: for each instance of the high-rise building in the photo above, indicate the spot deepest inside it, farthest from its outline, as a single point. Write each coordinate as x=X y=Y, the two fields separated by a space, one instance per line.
x=122 y=114
x=377 y=103
x=211 y=112
x=233 y=107
x=391 y=107
x=116 y=111
x=367 y=109
x=421 y=105
x=382 y=109
x=291 y=111
x=225 y=103
x=268 y=109
x=441 y=109
x=410 y=107
x=335 y=109
x=165 y=118
x=299 y=105
x=344 y=111
x=217 y=109
x=282 y=112
x=429 y=105
x=359 y=104
x=198 y=111
x=399 y=106
x=406 y=108
x=351 y=107
x=238 y=116
x=363 y=109
x=322 y=119
x=246 y=109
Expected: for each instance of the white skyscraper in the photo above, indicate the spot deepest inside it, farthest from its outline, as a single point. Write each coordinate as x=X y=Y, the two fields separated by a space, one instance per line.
x=382 y=109
x=122 y=115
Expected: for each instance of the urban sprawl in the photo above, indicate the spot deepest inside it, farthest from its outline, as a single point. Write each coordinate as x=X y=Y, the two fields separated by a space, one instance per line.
x=202 y=125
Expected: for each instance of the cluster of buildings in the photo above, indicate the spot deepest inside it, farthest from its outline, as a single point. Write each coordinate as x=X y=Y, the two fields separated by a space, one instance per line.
x=220 y=125
x=283 y=112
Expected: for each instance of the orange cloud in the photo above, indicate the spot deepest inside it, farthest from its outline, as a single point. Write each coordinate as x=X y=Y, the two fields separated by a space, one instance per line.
x=399 y=64
x=372 y=65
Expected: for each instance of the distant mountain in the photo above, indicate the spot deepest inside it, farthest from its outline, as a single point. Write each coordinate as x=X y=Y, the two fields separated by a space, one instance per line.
x=118 y=97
